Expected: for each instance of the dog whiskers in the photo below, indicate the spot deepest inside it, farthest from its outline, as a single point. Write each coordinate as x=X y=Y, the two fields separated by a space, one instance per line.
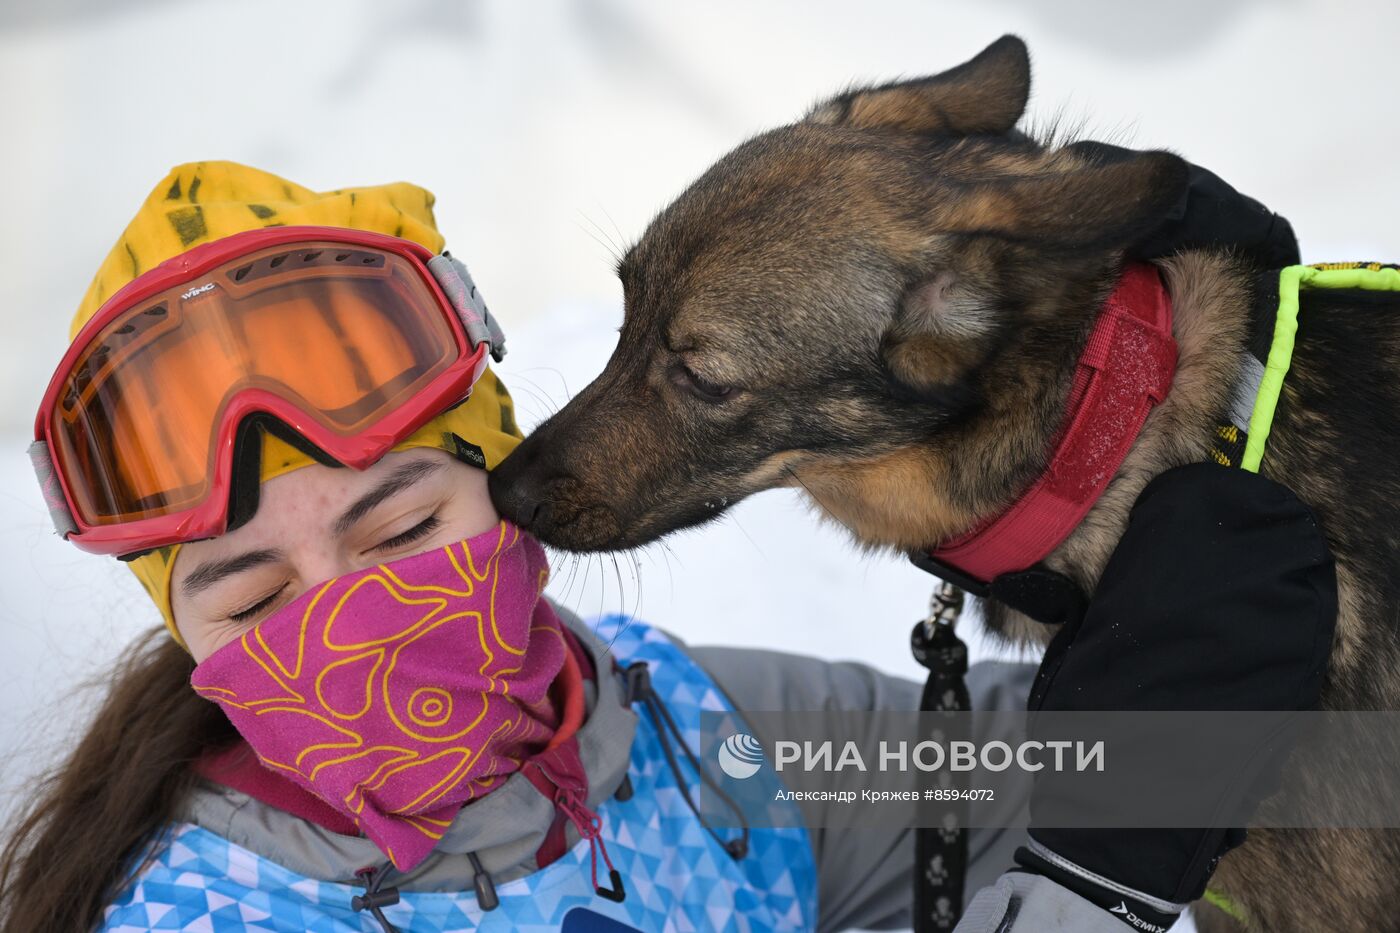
x=602 y=241
x=618 y=573
x=817 y=499
x=635 y=563
x=744 y=531
x=537 y=398
x=620 y=237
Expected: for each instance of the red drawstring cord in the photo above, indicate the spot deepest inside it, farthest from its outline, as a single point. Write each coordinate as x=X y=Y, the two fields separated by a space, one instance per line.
x=567 y=792
x=590 y=827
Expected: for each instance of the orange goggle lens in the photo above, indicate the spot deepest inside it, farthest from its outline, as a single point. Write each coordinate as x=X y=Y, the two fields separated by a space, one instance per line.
x=345 y=333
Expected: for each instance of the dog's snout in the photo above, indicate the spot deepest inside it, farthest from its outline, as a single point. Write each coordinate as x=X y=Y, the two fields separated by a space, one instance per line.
x=541 y=493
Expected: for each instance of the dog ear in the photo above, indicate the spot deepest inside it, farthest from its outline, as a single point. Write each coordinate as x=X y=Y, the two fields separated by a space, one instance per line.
x=939 y=331
x=1102 y=206
x=985 y=95
x=942 y=324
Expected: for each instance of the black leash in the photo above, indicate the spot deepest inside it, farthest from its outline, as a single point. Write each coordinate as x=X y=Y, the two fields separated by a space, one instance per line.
x=940 y=852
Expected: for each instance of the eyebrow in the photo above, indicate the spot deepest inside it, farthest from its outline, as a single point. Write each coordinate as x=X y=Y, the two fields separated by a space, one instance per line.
x=393 y=484
x=213 y=571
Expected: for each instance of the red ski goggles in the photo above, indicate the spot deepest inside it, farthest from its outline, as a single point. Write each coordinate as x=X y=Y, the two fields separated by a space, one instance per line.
x=352 y=340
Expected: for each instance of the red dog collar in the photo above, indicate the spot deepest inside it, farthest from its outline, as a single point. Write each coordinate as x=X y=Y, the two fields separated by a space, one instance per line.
x=1126 y=368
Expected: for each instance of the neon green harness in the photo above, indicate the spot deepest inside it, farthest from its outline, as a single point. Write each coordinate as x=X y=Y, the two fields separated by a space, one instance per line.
x=1373 y=276
x=1230 y=908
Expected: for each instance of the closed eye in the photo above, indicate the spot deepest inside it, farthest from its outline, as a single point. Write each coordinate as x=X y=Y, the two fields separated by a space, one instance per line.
x=421 y=530
x=253 y=610
x=698 y=386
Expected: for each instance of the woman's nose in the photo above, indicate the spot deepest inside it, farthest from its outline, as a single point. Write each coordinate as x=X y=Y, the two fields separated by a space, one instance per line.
x=326 y=564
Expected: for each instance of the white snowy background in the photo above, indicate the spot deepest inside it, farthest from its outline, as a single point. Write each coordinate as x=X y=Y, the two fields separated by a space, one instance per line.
x=551 y=132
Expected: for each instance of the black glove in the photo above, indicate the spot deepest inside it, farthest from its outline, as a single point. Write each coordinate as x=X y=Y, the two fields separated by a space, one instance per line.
x=1210 y=213
x=1212 y=557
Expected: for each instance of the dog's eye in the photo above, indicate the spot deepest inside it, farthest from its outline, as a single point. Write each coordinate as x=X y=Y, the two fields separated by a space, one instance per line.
x=698 y=386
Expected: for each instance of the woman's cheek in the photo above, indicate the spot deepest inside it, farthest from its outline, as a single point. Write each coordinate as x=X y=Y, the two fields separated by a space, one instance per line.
x=208 y=637
x=472 y=510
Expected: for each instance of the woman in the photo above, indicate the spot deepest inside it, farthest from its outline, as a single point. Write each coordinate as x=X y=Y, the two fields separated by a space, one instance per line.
x=365 y=715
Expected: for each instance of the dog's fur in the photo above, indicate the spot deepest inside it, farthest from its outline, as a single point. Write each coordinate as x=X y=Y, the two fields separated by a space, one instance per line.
x=883 y=304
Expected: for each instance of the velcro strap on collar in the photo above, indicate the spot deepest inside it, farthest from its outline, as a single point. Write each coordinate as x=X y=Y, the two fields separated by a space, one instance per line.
x=1125 y=370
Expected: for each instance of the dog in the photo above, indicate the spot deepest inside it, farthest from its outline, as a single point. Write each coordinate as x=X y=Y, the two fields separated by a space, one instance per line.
x=883 y=304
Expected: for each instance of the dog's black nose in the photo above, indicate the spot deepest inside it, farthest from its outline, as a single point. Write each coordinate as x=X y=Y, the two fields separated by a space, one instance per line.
x=514 y=499
x=533 y=514
x=523 y=512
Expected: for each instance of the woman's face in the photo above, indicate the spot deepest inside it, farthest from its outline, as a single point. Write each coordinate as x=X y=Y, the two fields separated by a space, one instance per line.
x=316 y=523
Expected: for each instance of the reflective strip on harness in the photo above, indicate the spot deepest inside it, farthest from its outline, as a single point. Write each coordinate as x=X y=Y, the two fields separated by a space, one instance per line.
x=1372 y=276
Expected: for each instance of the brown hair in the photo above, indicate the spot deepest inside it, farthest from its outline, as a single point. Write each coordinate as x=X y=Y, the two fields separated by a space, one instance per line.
x=72 y=849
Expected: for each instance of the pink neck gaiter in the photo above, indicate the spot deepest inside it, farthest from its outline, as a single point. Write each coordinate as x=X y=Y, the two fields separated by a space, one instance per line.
x=399 y=693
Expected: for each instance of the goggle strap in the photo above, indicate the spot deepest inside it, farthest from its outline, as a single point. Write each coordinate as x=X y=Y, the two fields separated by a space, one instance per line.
x=451 y=273
x=52 y=489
